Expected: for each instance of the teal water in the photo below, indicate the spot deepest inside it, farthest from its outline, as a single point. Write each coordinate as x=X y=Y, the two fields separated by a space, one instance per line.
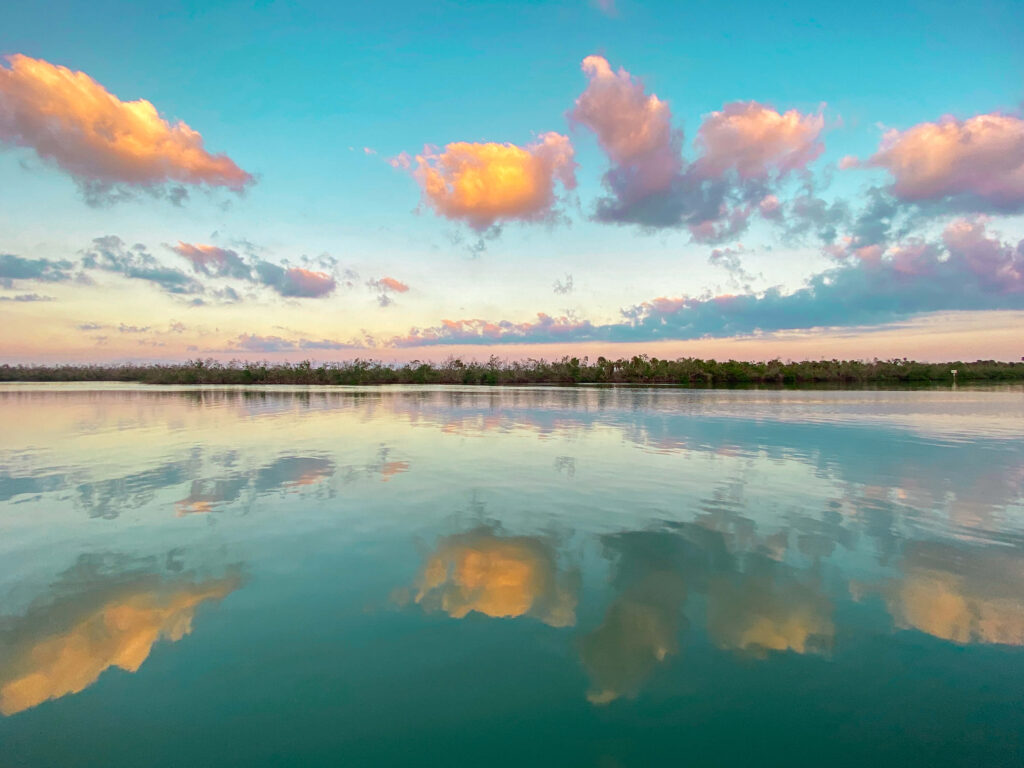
x=521 y=576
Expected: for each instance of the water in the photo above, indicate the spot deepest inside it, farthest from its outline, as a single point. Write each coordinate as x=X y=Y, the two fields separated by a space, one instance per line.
x=593 y=577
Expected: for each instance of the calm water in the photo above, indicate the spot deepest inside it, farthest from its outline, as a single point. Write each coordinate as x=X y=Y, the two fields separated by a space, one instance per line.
x=214 y=577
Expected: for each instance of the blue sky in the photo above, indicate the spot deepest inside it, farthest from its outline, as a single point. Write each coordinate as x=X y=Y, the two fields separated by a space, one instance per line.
x=295 y=93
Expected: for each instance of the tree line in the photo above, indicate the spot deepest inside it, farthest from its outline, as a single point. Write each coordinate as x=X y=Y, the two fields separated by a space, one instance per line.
x=640 y=369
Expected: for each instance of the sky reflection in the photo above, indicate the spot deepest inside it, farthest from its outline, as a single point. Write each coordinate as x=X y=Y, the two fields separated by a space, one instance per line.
x=626 y=559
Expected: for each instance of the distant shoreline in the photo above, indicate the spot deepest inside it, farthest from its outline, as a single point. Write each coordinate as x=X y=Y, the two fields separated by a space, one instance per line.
x=568 y=371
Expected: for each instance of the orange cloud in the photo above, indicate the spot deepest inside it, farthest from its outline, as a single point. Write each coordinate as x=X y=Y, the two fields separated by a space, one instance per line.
x=755 y=139
x=502 y=577
x=980 y=158
x=67 y=657
x=73 y=121
x=484 y=183
x=392 y=284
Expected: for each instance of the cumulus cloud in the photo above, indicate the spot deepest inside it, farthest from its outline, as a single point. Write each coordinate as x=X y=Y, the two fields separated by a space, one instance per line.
x=967 y=270
x=42 y=270
x=756 y=141
x=975 y=164
x=104 y=143
x=634 y=129
x=563 y=287
x=484 y=184
x=742 y=152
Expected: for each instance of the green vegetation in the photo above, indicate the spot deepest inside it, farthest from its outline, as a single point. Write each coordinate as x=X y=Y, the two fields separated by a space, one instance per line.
x=567 y=371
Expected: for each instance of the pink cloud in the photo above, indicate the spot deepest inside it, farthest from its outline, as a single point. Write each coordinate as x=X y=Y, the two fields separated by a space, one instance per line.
x=755 y=140
x=212 y=260
x=981 y=158
x=486 y=183
x=475 y=331
x=306 y=283
x=999 y=266
x=770 y=207
x=73 y=121
x=633 y=127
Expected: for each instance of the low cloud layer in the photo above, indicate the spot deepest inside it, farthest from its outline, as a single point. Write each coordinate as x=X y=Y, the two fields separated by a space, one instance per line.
x=968 y=269
x=484 y=184
x=104 y=143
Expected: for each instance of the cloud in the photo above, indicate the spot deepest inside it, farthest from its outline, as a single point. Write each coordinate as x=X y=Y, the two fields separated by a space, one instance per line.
x=213 y=261
x=973 y=165
x=102 y=142
x=27 y=297
x=544 y=329
x=755 y=141
x=295 y=282
x=390 y=284
x=110 y=254
x=634 y=129
x=563 y=287
x=484 y=184
x=498 y=576
x=730 y=260
x=743 y=151
x=249 y=342
x=101 y=620
x=42 y=270
x=967 y=270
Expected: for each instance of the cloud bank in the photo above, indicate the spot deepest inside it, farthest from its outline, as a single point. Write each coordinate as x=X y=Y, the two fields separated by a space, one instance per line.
x=967 y=269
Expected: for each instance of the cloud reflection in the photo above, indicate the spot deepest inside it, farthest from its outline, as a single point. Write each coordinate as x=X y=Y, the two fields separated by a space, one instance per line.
x=961 y=594
x=769 y=607
x=641 y=627
x=103 y=619
x=498 y=576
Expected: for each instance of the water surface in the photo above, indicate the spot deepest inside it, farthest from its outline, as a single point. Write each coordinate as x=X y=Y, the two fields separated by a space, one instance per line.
x=512 y=576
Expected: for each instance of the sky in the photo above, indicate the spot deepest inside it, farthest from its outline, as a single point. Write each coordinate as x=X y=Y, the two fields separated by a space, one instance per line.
x=325 y=181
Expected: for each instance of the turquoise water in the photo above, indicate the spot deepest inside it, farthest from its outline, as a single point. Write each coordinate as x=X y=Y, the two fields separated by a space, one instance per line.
x=522 y=576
